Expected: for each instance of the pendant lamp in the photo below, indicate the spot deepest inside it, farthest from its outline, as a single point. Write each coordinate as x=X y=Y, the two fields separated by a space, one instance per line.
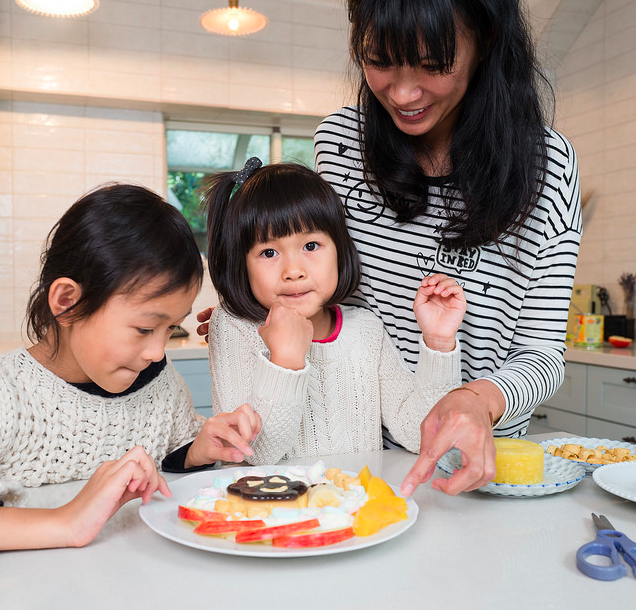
x=59 y=8
x=232 y=21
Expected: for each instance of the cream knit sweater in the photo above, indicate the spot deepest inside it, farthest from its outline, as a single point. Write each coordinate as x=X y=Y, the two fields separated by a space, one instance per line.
x=52 y=432
x=338 y=402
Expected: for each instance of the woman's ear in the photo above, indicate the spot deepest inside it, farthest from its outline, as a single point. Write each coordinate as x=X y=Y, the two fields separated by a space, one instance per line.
x=64 y=293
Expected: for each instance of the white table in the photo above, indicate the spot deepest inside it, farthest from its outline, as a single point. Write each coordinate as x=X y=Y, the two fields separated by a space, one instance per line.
x=473 y=551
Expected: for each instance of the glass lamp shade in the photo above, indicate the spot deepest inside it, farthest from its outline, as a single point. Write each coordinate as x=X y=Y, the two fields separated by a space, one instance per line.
x=59 y=8
x=233 y=21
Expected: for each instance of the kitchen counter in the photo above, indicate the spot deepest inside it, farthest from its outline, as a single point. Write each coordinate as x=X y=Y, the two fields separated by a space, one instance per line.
x=471 y=551
x=615 y=357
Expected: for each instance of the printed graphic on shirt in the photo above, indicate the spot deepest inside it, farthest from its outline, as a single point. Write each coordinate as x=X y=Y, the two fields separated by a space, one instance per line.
x=459 y=259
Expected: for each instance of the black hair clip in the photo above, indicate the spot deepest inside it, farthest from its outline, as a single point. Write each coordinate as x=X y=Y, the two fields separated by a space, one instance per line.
x=251 y=165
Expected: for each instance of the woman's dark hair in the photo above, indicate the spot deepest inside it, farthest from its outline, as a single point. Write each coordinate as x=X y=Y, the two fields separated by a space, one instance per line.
x=113 y=240
x=498 y=151
x=275 y=201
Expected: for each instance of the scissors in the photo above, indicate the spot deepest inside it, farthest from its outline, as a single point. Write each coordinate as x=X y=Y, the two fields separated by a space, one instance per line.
x=609 y=543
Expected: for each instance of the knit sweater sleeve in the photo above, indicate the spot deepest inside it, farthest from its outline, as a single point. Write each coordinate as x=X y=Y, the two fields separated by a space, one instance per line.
x=186 y=422
x=406 y=398
x=241 y=372
x=8 y=418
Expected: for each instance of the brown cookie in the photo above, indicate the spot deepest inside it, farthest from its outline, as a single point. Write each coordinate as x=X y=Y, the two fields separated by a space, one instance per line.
x=267 y=489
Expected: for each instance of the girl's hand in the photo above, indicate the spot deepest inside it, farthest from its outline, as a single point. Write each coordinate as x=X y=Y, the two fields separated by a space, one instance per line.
x=287 y=334
x=204 y=317
x=439 y=308
x=114 y=483
x=226 y=437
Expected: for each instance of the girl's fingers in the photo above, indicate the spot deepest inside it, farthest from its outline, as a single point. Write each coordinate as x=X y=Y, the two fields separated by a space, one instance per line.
x=231 y=437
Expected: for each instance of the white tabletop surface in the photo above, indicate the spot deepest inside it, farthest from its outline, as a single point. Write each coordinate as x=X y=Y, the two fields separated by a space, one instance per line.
x=474 y=551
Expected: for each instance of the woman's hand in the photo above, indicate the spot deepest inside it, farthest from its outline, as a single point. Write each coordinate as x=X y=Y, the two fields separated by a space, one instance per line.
x=460 y=419
x=226 y=437
x=204 y=317
x=287 y=335
x=439 y=308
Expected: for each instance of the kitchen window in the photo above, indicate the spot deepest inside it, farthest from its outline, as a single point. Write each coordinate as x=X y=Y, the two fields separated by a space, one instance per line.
x=196 y=151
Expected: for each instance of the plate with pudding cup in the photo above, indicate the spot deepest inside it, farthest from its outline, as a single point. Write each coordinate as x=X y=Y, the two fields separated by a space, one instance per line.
x=558 y=475
x=160 y=515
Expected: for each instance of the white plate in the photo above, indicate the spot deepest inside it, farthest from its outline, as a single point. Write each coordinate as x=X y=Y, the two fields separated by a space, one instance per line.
x=558 y=475
x=160 y=514
x=589 y=443
x=619 y=479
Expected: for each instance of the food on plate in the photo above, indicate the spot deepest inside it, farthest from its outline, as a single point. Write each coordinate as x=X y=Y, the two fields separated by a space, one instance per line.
x=294 y=507
x=382 y=508
x=257 y=496
x=618 y=341
x=196 y=514
x=598 y=455
x=317 y=539
x=518 y=462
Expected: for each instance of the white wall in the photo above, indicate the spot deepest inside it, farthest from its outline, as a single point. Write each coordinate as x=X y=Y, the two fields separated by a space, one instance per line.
x=83 y=101
x=596 y=86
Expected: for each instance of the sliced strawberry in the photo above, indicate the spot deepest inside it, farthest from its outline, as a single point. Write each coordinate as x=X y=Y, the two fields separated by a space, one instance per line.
x=267 y=533
x=198 y=514
x=211 y=528
x=315 y=539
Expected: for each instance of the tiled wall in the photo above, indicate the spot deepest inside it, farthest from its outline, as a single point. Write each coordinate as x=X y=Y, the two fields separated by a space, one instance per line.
x=82 y=101
x=597 y=111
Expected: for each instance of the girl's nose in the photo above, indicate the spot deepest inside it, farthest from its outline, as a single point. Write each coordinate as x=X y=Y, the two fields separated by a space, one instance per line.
x=155 y=348
x=294 y=273
x=294 y=269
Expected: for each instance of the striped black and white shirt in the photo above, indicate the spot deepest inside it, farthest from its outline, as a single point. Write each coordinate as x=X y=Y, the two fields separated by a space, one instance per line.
x=517 y=292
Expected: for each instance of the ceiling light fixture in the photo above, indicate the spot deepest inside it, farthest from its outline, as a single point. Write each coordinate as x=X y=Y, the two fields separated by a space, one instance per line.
x=59 y=8
x=232 y=21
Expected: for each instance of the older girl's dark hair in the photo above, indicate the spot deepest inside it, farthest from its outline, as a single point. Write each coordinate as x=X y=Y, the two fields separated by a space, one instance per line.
x=498 y=151
x=275 y=201
x=113 y=240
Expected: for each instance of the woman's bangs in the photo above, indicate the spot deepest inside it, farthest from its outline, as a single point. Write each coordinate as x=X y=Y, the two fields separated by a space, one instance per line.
x=404 y=34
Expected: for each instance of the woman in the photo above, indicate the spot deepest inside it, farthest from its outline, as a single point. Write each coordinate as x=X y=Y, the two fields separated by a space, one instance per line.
x=446 y=166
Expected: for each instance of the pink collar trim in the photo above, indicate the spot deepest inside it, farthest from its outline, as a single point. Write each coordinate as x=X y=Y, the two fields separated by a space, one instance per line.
x=336 y=331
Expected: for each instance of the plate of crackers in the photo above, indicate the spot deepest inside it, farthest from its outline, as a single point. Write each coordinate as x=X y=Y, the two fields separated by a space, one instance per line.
x=591 y=453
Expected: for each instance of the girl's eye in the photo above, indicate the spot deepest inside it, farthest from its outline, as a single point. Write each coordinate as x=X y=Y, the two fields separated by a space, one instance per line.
x=268 y=253
x=311 y=246
x=145 y=331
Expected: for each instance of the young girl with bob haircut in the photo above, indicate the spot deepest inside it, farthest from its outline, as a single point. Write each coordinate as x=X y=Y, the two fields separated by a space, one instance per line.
x=120 y=270
x=448 y=164
x=323 y=377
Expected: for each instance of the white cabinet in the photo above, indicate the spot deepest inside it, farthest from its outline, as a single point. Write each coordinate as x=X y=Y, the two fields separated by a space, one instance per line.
x=196 y=374
x=594 y=401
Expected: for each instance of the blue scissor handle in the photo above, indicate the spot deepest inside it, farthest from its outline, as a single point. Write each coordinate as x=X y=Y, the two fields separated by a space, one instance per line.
x=607 y=543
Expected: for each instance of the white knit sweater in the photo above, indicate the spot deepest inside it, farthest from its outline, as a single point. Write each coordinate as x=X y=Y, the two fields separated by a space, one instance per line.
x=52 y=432
x=338 y=402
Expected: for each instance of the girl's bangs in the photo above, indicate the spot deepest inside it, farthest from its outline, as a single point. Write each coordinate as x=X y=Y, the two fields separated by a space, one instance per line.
x=402 y=33
x=284 y=219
